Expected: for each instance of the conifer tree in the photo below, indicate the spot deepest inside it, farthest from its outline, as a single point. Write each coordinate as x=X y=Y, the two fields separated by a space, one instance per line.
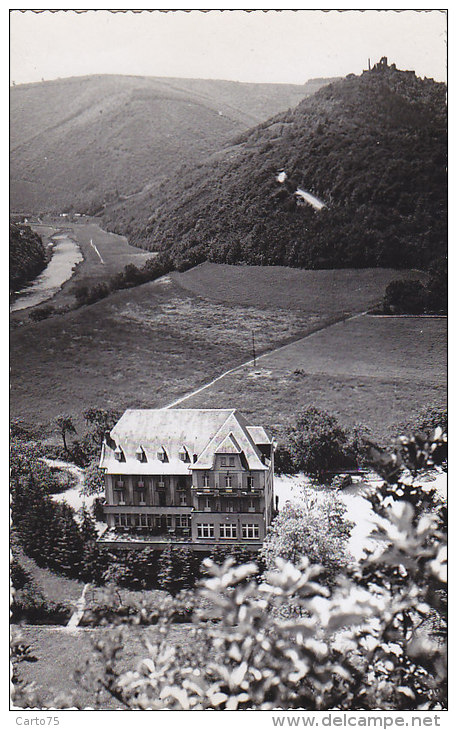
x=166 y=569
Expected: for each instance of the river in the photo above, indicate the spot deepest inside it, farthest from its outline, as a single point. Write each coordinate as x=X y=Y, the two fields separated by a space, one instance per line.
x=66 y=255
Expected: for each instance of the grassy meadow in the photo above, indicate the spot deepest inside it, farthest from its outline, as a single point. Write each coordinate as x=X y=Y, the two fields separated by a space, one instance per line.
x=139 y=347
x=328 y=291
x=148 y=346
x=55 y=588
x=371 y=370
x=61 y=653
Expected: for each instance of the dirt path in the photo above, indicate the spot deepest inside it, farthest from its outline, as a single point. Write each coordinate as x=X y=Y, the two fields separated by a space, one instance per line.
x=96 y=251
x=77 y=615
x=265 y=354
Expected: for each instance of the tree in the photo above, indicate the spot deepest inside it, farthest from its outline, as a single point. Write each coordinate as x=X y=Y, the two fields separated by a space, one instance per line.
x=437 y=286
x=167 y=569
x=316 y=443
x=318 y=531
x=405 y=296
x=94 y=481
x=66 y=426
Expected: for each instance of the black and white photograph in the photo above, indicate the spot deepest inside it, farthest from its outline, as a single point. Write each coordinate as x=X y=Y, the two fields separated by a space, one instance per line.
x=228 y=341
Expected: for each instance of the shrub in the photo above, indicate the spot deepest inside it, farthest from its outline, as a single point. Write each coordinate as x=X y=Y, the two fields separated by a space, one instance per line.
x=94 y=481
x=361 y=645
x=405 y=296
x=30 y=605
x=37 y=315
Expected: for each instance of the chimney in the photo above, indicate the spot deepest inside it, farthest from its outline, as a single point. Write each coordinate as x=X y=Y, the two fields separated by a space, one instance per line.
x=369 y=65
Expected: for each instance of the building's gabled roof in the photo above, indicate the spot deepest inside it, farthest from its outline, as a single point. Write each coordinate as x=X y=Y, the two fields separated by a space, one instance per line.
x=202 y=431
x=228 y=445
x=236 y=426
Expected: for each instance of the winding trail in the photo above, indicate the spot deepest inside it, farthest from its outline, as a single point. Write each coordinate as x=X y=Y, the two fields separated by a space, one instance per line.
x=319 y=328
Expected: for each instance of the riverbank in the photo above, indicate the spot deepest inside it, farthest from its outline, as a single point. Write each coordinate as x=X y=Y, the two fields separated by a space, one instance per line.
x=102 y=254
x=65 y=256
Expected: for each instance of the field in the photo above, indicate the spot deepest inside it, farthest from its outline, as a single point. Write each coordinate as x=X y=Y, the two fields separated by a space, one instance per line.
x=139 y=347
x=54 y=587
x=60 y=653
x=327 y=291
x=148 y=346
x=369 y=370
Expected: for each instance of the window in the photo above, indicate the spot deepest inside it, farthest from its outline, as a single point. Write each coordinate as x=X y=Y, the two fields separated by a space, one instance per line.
x=252 y=505
x=250 y=482
x=183 y=455
x=205 y=530
x=228 y=482
x=119 y=495
x=143 y=520
x=182 y=521
x=228 y=531
x=223 y=461
x=183 y=499
x=205 y=480
x=250 y=531
x=121 y=520
x=141 y=496
x=231 y=461
x=169 y=522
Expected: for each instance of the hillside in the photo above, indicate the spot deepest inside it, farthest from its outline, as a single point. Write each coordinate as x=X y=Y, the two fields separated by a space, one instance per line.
x=371 y=149
x=87 y=140
x=27 y=256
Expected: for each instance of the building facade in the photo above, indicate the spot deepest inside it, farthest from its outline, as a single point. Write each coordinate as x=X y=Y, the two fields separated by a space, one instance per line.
x=198 y=477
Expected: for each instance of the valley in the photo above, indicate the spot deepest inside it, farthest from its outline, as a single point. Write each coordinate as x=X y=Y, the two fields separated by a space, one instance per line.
x=156 y=343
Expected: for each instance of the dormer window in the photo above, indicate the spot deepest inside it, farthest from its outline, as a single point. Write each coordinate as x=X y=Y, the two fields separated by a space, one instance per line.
x=139 y=453
x=162 y=455
x=184 y=454
x=118 y=454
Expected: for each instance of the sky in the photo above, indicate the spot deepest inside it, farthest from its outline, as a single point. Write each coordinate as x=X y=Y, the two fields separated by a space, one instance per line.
x=274 y=46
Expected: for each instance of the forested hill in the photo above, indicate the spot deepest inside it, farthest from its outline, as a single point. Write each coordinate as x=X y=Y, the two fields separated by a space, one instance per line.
x=371 y=148
x=27 y=255
x=81 y=142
